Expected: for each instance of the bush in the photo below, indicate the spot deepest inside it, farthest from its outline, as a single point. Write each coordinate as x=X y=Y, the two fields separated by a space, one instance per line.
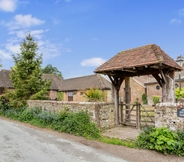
x=65 y=121
x=79 y=124
x=179 y=93
x=94 y=94
x=60 y=96
x=156 y=99
x=4 y=103
x=29 y=114
x=144 y=99
x=47 y=117
x=162 y=140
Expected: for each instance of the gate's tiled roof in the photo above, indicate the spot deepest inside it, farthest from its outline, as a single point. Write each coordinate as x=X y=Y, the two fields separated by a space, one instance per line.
x=85 y=82
x=137 y=57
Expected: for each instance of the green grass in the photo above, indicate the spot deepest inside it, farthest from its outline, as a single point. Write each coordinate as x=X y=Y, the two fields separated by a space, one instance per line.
x=116 y=141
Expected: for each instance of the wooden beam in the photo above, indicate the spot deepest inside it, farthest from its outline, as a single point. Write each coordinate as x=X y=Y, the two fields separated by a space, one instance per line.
x=116 y=82
x=163 y=77
x=120 y=73
x=159 y=80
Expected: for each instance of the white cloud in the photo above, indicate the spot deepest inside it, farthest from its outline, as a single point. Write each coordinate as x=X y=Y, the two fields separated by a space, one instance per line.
x=27 y=20
x=5 y=54
x=13 y=48
x=175 y=21
x=93 y=62
x=57 y=1
x=8 y=5
x=19 y=27
x=56 y=21
x=181 y=12
x=23 y=21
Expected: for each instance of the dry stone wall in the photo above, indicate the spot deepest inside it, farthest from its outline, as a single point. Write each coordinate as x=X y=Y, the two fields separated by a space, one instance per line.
x=101 y=113
x=166 y=114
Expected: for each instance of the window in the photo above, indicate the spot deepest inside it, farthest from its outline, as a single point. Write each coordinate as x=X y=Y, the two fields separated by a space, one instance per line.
x=70 y=96
x=157 y=87
x=176 y=85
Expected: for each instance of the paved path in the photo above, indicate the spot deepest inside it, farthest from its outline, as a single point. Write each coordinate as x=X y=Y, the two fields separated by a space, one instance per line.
x=122 y=132
x=19 y=143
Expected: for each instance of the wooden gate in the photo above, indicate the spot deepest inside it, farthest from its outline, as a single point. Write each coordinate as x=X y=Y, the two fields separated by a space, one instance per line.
x=136 y=115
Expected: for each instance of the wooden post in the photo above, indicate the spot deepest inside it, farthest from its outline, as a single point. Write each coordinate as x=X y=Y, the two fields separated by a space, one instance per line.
x=127 y=94
x=138 y=116
x=120 y=112
x=116 y=103
x=122 y=115
x=168 y=89
x=116 y=82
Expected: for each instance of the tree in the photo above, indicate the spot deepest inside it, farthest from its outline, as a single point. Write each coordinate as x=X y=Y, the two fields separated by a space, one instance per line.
x=26 y=75
x=49 y=69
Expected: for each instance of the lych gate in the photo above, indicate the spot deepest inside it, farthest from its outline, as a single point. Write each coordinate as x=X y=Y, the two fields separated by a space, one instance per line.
x=145 y=60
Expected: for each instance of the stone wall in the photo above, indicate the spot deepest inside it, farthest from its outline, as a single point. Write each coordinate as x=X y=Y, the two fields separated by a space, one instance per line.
x=166 y=115
x=101 y=113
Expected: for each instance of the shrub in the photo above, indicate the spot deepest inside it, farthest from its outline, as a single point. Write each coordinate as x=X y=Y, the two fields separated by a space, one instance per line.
x=156 y=99
x=60 y=96
x=4 y=103
x=94 y=94
x=79 y=124
x=162 y=140
x=65 y=121
x=144 y=99
x=179 y=93
x=29 y=114
x=47 y=117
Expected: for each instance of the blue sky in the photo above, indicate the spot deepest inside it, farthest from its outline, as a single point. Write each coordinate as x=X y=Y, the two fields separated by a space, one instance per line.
x=77 y=36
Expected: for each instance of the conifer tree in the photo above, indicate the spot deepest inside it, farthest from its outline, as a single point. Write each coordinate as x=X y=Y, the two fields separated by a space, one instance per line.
x=26 y=75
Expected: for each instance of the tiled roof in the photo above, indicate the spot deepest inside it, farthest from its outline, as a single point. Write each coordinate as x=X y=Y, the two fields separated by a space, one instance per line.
x=85 y=82
x=56 y=81
x=5 y=81
x=137 y=57
x=144 y=79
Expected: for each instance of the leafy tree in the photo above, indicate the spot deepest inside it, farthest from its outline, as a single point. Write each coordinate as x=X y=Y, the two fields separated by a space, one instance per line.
x=49 y=69
x=26 y=75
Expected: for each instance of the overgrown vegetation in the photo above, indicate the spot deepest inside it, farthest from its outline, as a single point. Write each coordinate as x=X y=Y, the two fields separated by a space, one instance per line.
x=74 y=123
x=26 y=75
x=156 y=99
x=162 y=140
x=60 y=96
x=179 y=93
x=94 y=94
x=144 y=99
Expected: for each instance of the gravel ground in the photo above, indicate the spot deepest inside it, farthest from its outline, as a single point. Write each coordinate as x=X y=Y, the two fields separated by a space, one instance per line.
x=129 y=154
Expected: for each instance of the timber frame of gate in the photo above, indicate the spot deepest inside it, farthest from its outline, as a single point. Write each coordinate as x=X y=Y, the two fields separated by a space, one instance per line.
x=145 y=60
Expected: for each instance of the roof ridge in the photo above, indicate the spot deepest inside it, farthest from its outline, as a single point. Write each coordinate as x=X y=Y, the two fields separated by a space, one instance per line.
x=80 y=77
x=137 y=48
